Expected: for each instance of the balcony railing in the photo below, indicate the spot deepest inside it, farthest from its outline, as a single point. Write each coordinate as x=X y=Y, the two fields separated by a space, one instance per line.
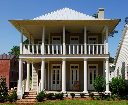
x=69 y=49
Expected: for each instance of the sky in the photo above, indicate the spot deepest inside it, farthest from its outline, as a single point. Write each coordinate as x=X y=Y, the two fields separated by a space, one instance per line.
x=29 y=9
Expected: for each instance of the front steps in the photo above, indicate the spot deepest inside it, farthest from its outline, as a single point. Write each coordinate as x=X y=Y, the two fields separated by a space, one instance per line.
x=30 y=95
x=25 y=101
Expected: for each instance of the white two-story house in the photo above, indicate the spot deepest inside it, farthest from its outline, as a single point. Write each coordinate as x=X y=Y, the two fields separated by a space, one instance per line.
x=65 y=46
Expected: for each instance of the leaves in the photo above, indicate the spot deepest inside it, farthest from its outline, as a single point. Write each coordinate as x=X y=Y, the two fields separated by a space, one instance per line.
x=126 y=20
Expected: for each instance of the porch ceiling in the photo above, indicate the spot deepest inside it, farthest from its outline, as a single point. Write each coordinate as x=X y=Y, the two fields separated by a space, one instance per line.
x=34 y=27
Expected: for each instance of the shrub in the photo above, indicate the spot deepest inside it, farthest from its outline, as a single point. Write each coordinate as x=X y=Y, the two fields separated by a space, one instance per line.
x=2 y=98
x=123 y=97
x=91 y=94
x=59 y=96
x=99 y=84
x=72 y=94
x=40 y=96
x=97 y=98
x=108 y=98
x=117 y=85
x=11 y=98
x=49 y=96
x=15 y=95
x=127 y=97
x=113 y=97
x=82 y=95
x=102 y=98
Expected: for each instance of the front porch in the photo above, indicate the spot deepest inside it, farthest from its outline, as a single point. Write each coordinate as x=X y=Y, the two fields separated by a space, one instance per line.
x=60 y=74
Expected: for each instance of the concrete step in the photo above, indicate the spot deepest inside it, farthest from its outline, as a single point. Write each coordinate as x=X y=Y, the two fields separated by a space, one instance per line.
x=26 y=101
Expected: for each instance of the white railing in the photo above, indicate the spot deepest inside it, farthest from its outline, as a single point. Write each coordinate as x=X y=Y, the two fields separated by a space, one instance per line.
x=38 y=89
x=32 y=48
x=53 y=49
x=74 y=48
x=96 y=49
x=22 y=91
x=70 y=49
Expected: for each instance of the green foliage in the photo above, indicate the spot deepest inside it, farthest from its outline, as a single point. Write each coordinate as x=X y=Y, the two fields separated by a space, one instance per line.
x=10 y=98
x=15 y=95
x=3 y=89
x=126 y=20
x=91 y=95
x=40 y=96
x=99 y=84
x=72 y=94
x=112 y=33
x=97 y=98
x=113 y=97
x=82 y=95
x=49 y=96
x=117 y=85
x=111 y=60
x=59 y=96
x=108 y=98
x=95 y=15
x=15 y=51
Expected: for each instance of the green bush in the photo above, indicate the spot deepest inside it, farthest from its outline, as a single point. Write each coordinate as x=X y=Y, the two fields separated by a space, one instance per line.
x=2 y=98
x=117 y=85
x=59 y=96
x=72 y=94
x=91 y=94
x=49 y=96
x=108 y=98
x=97 y=98
x=40 y=96
x=99 y=84
x=82 y=95
x=11 y=98
x=113 y=97
x=15 y=95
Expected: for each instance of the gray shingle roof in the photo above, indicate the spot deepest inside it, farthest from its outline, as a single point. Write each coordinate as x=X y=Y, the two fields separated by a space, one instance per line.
x=6 y=57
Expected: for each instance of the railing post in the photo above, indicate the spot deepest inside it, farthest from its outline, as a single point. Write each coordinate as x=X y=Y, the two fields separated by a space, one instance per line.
x=73 y=49
x=97 y=49
x=63 y=40
x=32 y=49
x=77 y=49
x=81 y=49
x=100 y=49
x=43 y=39
x=48 y=49
x=60 y=49
x=37 y=49
x=69 y=49
x=89 y=48
x=52 y=49
x=93 y=48
x=56 y=49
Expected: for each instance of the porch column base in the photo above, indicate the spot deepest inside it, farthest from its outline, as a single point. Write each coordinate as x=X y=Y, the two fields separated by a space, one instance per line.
x=63 y=92
x=85 y=91
x=107 y=92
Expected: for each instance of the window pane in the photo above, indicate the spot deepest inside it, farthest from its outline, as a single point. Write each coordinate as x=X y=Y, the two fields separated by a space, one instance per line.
x=94 y=74
x=54 y=66
x=57 y=82
x=92 y=67
x=72 y=38
x=72 y=66
x=58 y=38
x=90 y=76
x=94 y=38
x=54 y=38
x=76 y=66
x=53 y=82
x=76 y=38
x=58 y=66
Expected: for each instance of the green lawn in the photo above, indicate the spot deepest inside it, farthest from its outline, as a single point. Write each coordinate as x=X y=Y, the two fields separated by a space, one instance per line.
x=87 y=102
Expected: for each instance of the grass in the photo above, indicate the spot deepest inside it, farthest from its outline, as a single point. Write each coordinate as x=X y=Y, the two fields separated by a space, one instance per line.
x=87 y=102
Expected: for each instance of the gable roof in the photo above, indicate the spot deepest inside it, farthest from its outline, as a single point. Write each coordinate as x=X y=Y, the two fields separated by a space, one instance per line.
x=120 y=44
x=65 y=14
x=6 y=57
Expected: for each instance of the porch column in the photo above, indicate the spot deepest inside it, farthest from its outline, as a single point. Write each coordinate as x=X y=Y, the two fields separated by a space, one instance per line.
x=64 y=75
x=63 y=40
x=104 y=69
x=107 y=76
x=21 y=43
x=85 y=76
x=42 y=73
x=20 y=75
x=32 y=77
x=28 y=76
x=85 y=46
x=106 y=39
x=43 y=40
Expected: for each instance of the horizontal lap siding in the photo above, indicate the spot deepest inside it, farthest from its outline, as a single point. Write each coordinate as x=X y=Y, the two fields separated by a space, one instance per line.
x=122 y=60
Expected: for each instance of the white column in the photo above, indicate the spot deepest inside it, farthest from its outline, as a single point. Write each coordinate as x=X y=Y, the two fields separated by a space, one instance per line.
x=85 y=46
x=42 y=73
x=107 y=76
x=106 y=39
x=63 y=40
x=28 y=76
x=64 y=75
x=20 y=75
x=104 y=69
x=43 y=40
x=21 y=43
x=85 y=76
x=32 y=77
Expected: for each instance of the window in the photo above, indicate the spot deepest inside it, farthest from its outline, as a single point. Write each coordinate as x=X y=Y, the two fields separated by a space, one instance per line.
x=12 y=73
x=14 y=62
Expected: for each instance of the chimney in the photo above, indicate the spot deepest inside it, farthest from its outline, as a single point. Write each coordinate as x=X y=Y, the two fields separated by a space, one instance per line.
x=100 y=13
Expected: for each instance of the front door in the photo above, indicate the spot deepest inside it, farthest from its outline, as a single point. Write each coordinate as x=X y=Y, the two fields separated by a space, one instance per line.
x=92 y=40
x=74 y=41
x=74 y=74
x=56 y=77
x=92 y=73
x=56 y=40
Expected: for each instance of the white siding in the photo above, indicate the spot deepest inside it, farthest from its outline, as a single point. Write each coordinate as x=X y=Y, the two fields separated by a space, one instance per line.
x=122 y=59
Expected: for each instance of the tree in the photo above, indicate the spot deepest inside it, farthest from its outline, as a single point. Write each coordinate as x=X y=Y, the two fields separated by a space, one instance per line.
x=111 y=60
x=126 y=20
x=112 y=33
x=15 y=51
